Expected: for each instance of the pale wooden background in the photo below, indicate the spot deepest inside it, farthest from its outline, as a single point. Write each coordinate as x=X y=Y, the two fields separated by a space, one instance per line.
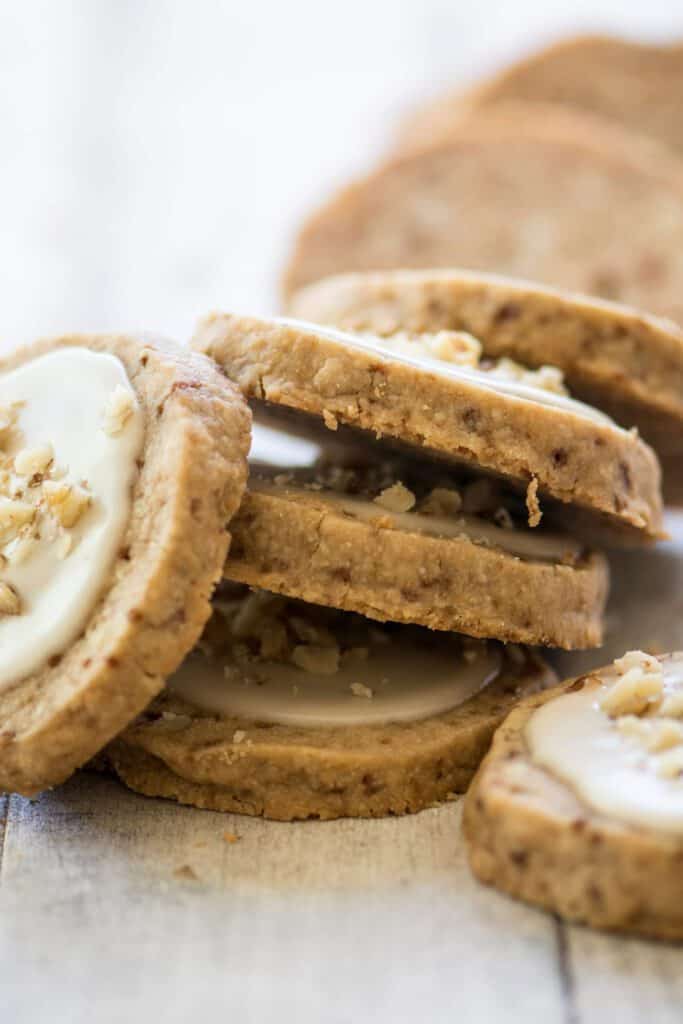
x=155 y=158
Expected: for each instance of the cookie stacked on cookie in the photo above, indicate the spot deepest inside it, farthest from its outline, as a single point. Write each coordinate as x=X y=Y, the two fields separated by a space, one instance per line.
x=386 y=570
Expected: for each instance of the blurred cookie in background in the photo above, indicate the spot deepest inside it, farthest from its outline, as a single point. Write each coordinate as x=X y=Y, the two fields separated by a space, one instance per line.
x=635 y=84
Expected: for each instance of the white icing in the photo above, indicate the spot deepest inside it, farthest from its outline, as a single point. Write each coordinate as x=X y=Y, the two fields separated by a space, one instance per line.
x=529 y=544
x=407 y=684
x=480 y=378
x=610 y=771
x=64 y=396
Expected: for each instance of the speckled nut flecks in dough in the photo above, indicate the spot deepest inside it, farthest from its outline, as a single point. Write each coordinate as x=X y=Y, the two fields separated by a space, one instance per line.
x=622 y=361
x=578 y=807
x=121 y=461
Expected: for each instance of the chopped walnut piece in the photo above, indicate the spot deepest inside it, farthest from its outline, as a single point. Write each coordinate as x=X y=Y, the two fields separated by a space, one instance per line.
x=441 y=501
x=670 y=764
x=654 y=734
x=239 y=736
x=672 y=705
x=14 y=514
x=33 y=461
x=20 y=549
x=10 y=602
x=396 y=498
x=67 y=502
x=118 y=410
x=361 y=690
x=533 y=505
x=324 y=660
x=330 y=420
x=547 y=378
x=637 y=689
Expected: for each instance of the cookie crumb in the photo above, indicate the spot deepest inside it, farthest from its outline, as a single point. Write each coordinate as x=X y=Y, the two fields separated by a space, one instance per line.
x=187 y=873
x=330 y=420
x=396 y=498
x=239 y=736
x=361 y=690
x=231 y=837
x=117 y=411
x=533 y=506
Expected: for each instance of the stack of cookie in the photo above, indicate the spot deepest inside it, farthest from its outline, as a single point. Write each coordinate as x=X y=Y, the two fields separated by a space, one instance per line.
x=341 y=631
x=431 y=502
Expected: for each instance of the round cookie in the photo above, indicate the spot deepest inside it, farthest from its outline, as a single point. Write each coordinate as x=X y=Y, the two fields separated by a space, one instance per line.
x=578 y=807
x=633 y=83
x=121 y=460
x=546 y=194
x=363 y=752
x=624 y=362
x=456 y=574
x=544 y=441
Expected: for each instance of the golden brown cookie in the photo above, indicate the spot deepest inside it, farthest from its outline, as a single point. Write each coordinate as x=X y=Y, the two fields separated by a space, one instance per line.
x=188 y=750
x=546 y=194
x=636 y=84
x=464 y=574
x=624 y=362
x=121 y=461
x=578 y=807
x=542 y=440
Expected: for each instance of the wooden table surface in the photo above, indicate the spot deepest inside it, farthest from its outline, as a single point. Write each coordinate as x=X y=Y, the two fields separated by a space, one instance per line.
x=156 y=158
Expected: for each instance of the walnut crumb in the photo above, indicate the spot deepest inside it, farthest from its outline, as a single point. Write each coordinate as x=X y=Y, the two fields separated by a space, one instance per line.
x=396 y=498
x=33 y=461
x=639 y=686
x=117 y=411
x=330 y=420
x=361 y=690
x=533 y=505
x=67 y=502
x=311 y=658
x=239 y=736
x=10 y=602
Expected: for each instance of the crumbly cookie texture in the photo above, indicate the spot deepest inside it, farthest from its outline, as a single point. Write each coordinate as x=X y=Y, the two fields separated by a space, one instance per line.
x=448 y=204
x=384 y=573
x=624 y=362
x=531 y=836
x=577 y=461
x=288 y=773
x=632 y=83
x=156 y=599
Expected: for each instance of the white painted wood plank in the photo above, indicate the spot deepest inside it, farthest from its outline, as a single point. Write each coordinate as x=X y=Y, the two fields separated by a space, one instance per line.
x=334 y=921
x=625 y=980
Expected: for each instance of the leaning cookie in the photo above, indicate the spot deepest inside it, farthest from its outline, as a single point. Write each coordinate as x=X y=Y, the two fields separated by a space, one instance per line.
x=633 y=83
x=522 y=429
x=618 y=359
x=546 y=194
x=290 y=711
x=578 y=807
x=121 y=461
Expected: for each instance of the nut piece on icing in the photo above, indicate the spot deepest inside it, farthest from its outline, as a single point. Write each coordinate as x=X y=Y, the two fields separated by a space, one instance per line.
x=324 y=660
x=67 y=502
x=10 y=603
x=396 y=498
x=13 y=515
x=361 y=690
x=33 y=461
x=118 y=410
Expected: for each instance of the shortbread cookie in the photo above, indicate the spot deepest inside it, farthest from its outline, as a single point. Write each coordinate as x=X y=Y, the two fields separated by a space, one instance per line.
x=121 y=461
x=637 y=84
x=290 y=711
x=578 y=807
x=550 y=195
x=435 y=564
x=552 y=446
x=624 y=362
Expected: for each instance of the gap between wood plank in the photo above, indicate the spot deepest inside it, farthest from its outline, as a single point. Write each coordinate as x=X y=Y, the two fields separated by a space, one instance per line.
x=566 y=973
x=4 y=820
